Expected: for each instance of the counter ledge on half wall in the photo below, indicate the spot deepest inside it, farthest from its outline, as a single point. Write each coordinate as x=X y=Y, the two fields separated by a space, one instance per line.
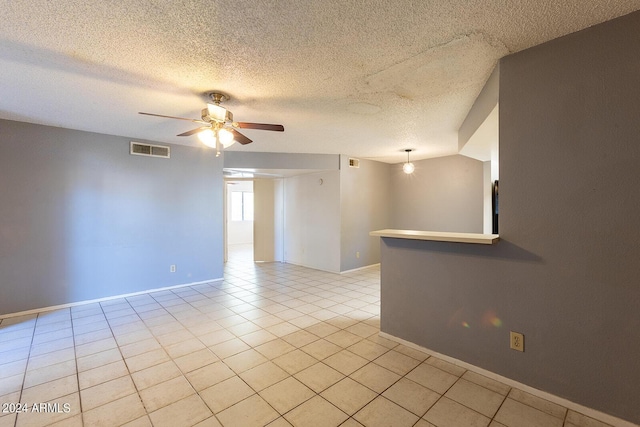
x=438 y=236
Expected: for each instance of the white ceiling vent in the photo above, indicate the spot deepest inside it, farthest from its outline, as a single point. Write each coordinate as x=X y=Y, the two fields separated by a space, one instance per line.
x=354 y=163
x=151 y=150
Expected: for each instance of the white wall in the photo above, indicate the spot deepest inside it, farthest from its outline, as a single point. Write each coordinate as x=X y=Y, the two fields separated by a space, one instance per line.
x=279 y=228
x=238 y=232
x=364 y=203
x=264 y=220
x=487 y=196
x=312 y=220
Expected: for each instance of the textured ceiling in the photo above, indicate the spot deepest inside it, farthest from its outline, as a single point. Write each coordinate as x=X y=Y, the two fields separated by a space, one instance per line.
x=363 y=78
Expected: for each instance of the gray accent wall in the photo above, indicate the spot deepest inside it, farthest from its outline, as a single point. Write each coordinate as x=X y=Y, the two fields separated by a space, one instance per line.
x=443 y=194
x=565 y=272
x=364 y=206
x=81 y=218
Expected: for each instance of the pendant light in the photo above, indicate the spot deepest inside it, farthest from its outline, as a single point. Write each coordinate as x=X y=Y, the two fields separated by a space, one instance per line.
x=408 y=167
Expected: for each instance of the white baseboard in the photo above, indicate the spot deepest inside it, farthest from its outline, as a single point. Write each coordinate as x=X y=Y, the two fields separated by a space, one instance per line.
x=311 y=267
x=360 y=268
x=600 y=416
x=330 y=271
x=74 y=304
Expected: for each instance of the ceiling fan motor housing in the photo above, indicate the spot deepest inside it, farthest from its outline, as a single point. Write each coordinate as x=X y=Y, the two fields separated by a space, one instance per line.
x=207 y=116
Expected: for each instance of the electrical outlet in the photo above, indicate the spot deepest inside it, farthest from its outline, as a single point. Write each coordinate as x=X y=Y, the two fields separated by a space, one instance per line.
x=516 y=341
x=357 y=254
x=172 y=268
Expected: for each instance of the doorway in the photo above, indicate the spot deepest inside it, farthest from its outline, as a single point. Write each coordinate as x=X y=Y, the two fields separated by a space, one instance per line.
x=254 y=219
x=239 y=220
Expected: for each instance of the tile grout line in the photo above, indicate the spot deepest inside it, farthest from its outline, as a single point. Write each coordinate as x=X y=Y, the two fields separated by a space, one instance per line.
x=459 y=378
x=75 y=359
x=26 y=368
x=182 y=374
x=124 y=362
x=506 y=396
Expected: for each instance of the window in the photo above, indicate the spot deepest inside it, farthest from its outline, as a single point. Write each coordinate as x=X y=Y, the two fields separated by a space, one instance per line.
x=241 y=206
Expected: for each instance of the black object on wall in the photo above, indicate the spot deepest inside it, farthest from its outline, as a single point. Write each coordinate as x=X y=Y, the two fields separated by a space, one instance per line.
x=494 y=207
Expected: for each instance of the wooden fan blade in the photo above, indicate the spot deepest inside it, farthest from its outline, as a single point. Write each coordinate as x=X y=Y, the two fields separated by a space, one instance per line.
x=173 y=117
x=260 y=126
x=240 y=138
x=194 y=131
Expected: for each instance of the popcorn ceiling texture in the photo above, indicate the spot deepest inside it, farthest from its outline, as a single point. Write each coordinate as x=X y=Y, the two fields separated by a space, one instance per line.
x=364 y=78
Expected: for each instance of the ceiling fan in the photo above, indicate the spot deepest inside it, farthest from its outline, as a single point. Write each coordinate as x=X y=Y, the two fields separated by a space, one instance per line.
x=219 y=129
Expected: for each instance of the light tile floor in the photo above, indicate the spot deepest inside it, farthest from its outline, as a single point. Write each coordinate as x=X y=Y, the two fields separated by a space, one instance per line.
x=274 y=344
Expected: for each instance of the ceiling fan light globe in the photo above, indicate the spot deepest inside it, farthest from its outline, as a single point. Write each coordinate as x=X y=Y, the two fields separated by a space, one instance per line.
x=208 y=138
x=226 y=138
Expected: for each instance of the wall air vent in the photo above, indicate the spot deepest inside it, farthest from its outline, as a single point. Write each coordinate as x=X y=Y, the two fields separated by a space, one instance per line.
x=354 y=163
x=151 y=150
